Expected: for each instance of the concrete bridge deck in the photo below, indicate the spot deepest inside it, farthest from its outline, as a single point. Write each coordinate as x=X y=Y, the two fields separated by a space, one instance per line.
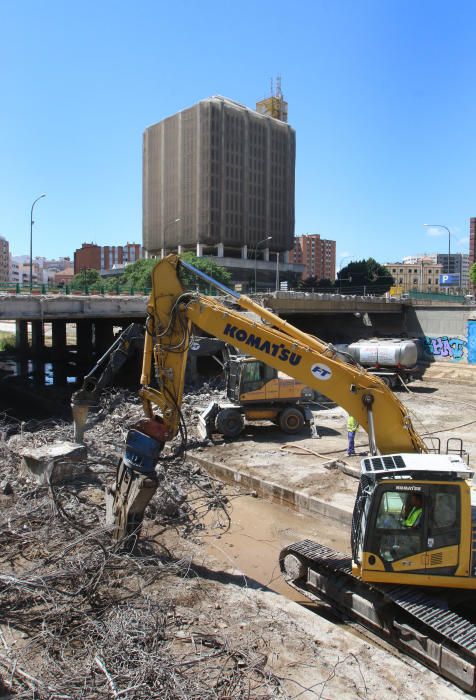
x=53 y=307
x=76 y=307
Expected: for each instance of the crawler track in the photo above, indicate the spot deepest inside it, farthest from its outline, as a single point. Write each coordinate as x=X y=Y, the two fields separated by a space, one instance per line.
x=422 y=624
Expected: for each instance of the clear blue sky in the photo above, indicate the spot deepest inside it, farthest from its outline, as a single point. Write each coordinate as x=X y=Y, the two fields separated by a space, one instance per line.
x=381 y=94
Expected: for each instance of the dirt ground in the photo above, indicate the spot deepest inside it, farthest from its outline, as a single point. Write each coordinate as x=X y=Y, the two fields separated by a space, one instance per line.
x=439 y=408
x=191 y=615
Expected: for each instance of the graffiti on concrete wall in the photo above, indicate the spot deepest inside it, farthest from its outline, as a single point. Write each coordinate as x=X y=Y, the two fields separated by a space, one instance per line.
x=445 y=347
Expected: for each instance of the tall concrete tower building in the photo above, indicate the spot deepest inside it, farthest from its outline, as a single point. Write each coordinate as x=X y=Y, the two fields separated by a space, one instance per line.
x=472 y=240
x=218 y=179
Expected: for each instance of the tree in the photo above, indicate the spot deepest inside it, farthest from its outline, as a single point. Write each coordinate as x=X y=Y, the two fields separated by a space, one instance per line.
x=206 y=265
x=86 y=278
x=365 y=273
x=137 y=275
x=472 y=274
x=316 y=283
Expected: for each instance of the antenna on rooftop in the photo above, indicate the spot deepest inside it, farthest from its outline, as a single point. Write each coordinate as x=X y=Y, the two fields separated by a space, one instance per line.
x=275 y=105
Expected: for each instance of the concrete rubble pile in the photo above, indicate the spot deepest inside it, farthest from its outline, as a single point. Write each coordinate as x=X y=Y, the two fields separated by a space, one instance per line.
x=82 y=618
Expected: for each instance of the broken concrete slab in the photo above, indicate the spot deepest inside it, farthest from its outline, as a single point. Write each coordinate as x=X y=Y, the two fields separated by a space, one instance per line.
x=59 y=461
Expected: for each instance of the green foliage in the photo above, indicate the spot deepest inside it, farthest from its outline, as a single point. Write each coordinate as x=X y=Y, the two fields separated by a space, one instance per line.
x=206 y=265
x=365 y=273
x=7 y=341
x=86 y=278
x=137 y=275
x=315 y=283
x=472 y=274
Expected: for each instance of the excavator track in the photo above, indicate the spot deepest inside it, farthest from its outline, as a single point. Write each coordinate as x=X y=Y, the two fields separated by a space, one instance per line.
x=422 y=625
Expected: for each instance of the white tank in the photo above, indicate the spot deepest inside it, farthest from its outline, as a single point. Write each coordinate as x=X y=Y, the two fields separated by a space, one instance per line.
x=384 y=352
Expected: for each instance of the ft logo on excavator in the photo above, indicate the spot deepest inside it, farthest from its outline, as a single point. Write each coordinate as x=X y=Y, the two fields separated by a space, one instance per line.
x=321 y=372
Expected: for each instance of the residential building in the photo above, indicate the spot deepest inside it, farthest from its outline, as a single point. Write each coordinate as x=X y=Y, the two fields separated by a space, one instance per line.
x=4 y=261
x=458 y=265
x=421 y=276
x=20 y=271
x=415 y=259
x=472 y=240
x=64 y=277
x=94 y=257
x=218 y=179
x=317 y=254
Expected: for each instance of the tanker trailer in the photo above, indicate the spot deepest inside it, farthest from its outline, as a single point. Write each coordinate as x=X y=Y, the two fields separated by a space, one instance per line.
x=392 y=359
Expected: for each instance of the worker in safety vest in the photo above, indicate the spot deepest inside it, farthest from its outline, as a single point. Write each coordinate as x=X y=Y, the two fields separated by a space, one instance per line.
x=352 y=427
x=415 y=511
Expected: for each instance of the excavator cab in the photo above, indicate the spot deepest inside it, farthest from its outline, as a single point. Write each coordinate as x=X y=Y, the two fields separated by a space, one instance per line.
x=412 y=521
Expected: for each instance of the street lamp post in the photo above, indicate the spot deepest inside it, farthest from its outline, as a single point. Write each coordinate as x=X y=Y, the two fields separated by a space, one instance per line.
x=344 y=257
x=166 y=227
x=31 y=240
x=268 y=238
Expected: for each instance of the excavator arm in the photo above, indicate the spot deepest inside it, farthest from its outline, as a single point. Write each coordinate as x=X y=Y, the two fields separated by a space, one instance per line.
x=126 y=344
x=276 y=343
x=171 y=314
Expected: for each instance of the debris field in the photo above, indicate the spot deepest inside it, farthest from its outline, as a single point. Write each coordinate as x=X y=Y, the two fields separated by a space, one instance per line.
x=80 y=618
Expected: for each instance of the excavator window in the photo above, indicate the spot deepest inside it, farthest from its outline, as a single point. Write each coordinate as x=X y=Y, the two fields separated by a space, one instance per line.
x=253 y=376
x=415 y=519
x=399 y=524
x=444 y=520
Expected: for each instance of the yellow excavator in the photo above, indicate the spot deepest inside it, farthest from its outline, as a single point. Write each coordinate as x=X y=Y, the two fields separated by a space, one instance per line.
x=412 y=574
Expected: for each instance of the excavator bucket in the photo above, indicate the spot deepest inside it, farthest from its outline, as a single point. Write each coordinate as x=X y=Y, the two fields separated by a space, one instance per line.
x=206 y=420
x=80 y=416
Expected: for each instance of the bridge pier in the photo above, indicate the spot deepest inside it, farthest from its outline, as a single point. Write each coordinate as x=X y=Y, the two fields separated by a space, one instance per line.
x=84 y=339
x=21 y=337
x=58 y=337
x=103 y=335
x=37 y=337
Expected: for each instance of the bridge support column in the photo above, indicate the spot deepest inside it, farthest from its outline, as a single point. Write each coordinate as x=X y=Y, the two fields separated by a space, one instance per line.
x=84 y=339
x=21 y=336
x=103 y=336
x=37 y=337
x=39 y=374
x=58 y=332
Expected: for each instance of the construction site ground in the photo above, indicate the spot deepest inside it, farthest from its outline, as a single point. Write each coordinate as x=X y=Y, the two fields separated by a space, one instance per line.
x=278 y=466
x=195 y=611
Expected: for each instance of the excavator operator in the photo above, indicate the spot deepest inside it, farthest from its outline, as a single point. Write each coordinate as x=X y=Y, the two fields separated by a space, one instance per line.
x=414 y=511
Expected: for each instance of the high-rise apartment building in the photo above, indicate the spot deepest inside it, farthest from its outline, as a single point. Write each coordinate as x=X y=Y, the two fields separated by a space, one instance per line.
x=4 y=261
x=317 y=254
x=472 y=240
x=218 y=178
x=94 y=257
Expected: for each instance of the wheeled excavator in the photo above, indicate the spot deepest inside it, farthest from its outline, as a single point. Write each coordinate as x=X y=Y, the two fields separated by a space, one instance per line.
x=412 y=574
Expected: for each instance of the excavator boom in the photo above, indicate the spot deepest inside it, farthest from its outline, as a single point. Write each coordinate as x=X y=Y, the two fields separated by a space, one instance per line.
x=172 y=312
x=276 y=343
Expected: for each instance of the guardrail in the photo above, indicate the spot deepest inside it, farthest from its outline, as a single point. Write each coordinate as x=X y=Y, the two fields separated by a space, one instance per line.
x=436 y=296
x=86 y=290
x=100 y=289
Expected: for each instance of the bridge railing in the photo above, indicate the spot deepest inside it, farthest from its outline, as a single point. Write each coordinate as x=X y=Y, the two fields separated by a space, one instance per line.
x=437 y=296
x=85 y=290
x=100 y=289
